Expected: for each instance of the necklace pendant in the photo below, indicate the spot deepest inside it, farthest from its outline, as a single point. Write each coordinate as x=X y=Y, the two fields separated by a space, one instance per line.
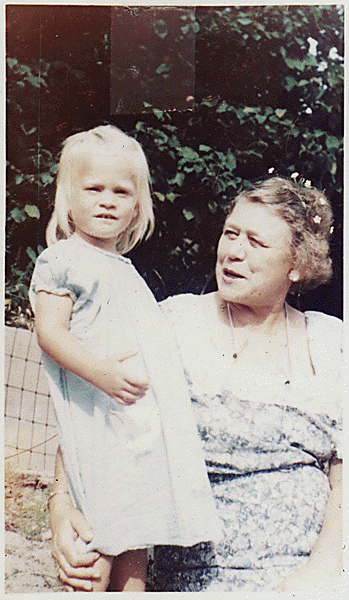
x=287 y=382
x=235 y=355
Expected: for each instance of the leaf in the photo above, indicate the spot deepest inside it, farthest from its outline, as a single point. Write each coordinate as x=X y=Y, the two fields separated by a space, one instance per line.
x=160 y=197
x=290 y=83
x=261 y=118
x=222 y=107
x=188 y=154
x=30 y=131
x=280 y=112
x=185 y=29
x=12 y=62
x=295 y=63
x=18 y=179
x=230 y=160
x=32 y=211
x=209 y=102
x=203 y=148
x=18 y=215
x=158 y=113
x=171 y=196
x=31 y=254
x=250 y=109
x=160 y=28
x=178 y=179
x=188 y=214
x=332 y=142
x=46 y=178
x=162 y=139
x=163 y=68
x=36 y=81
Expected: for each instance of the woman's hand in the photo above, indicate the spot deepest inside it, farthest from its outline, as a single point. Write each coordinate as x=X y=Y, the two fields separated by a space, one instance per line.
x=76 y=569
x=309 y=579
x=324 y=566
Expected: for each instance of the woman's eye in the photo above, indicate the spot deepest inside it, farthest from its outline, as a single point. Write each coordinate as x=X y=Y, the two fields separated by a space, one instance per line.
x=231 y=234
x=255 y=242
x=93 y=189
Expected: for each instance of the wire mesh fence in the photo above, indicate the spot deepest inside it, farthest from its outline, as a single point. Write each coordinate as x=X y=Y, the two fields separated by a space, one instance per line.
x=30 y=431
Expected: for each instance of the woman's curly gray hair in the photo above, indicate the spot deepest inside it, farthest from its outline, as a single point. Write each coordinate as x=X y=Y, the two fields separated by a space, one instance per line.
x=309 y=216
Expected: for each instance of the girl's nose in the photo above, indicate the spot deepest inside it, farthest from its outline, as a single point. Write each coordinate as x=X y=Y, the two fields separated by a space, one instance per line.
x=107 y=200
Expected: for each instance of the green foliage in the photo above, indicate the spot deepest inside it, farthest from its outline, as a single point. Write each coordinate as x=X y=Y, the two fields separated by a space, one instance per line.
x=263 y=100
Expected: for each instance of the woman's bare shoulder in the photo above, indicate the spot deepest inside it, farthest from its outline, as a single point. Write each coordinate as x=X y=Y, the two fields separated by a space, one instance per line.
x=189 y=300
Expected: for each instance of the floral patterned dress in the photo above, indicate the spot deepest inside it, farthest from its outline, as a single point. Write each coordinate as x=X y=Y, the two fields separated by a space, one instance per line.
x=267 y=448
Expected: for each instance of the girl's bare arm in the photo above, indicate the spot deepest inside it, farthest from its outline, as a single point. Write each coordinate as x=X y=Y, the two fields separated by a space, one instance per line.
x=52 y=326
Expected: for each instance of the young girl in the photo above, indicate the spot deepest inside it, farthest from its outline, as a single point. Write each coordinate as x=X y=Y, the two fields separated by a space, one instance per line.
x=127 y=433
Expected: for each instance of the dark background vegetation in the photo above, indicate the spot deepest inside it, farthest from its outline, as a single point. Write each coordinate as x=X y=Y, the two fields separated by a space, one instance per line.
x=261 y=100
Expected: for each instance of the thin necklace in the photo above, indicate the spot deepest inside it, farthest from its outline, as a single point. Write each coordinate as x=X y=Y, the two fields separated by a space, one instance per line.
x=237 y=352
x=235 y=355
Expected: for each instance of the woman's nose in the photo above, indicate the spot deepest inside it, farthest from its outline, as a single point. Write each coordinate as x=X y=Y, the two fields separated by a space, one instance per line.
x=237 y=249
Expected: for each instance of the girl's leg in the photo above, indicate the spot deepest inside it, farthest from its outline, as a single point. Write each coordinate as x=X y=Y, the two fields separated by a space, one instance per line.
x=129 y=571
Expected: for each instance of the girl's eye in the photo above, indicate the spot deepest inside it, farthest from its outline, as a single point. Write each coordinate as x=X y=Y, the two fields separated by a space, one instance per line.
x=120 y=191
x=93 y=189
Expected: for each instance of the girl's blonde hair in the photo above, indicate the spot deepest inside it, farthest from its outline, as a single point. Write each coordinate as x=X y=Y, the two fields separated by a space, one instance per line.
x=308 y=213
x=111 y=141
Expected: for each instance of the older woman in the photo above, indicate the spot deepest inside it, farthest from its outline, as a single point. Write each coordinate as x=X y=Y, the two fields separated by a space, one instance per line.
x=265 y=387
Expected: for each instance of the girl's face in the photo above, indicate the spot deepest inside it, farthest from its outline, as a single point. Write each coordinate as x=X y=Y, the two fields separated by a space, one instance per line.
x=254 y=256
x=103 y=199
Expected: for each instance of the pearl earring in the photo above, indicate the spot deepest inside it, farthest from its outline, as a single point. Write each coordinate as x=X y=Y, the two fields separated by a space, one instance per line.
x=293 y=275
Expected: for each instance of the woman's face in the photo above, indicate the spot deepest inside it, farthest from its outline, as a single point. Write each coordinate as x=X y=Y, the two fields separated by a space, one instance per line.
x=254 y=256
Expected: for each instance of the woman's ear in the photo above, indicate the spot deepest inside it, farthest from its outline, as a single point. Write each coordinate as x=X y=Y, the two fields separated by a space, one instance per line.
x=294 y=275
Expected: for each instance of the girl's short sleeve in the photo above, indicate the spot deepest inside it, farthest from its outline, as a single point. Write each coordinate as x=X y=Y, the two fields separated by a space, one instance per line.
x=52 y=274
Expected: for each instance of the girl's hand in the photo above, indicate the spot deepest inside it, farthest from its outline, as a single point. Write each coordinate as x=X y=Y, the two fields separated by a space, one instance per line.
x=76 y=569
x=117 y=381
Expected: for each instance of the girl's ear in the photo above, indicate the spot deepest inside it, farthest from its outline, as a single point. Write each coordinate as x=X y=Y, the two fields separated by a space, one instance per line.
x=136 y=212
x=70 y=221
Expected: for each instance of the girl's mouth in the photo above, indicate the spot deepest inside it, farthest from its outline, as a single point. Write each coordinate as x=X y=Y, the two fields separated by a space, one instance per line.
x=106 y=217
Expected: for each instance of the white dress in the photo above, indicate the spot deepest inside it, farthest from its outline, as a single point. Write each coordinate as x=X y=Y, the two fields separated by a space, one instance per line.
x=137 y=473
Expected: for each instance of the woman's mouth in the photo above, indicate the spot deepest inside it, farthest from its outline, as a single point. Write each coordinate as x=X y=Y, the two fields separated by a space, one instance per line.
x=232 y=275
